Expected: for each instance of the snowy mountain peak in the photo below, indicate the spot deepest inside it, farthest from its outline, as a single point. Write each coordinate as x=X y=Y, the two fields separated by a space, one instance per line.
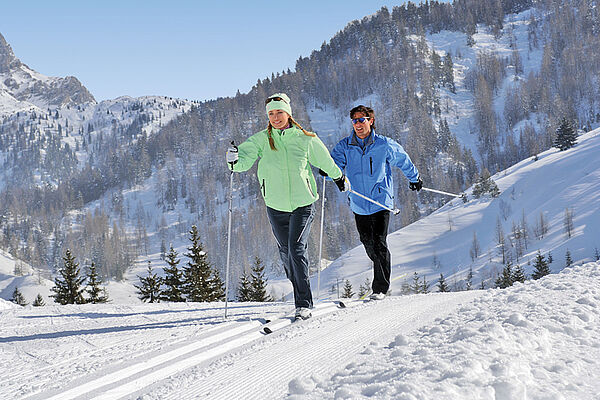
x=21 y=87
x=8 y=60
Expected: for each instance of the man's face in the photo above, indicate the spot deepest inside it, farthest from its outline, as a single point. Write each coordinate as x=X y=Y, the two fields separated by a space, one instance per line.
x=362 y=129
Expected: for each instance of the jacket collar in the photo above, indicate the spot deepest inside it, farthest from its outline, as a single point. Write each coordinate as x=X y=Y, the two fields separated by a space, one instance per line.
x=369 y=139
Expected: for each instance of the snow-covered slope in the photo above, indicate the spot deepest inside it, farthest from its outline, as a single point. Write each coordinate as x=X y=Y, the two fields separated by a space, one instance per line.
x=536 y=340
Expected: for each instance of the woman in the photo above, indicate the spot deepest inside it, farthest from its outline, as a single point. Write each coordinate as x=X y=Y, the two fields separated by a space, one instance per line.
x=286 y=152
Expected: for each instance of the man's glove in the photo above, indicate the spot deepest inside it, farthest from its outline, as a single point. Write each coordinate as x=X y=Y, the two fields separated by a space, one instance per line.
x=322 y=173
x=232 y=155
x=418 y=185
x=342 y=183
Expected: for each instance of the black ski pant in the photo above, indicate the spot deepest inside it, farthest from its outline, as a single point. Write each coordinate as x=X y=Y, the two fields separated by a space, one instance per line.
x=291 y=229
x=373 y=230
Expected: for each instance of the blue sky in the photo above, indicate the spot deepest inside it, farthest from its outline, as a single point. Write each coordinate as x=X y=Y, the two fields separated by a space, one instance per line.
x=188 y=49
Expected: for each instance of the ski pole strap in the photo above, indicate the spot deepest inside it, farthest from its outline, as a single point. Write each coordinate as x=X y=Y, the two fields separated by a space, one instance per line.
x=395 y=211
x=440 y=192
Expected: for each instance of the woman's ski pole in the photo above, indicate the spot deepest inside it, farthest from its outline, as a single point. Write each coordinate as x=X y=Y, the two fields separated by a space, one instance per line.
x=440 y=192
x=229 y=236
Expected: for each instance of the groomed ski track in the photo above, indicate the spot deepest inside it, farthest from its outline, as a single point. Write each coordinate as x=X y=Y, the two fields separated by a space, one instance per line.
x=235 y=359
x=265 y=370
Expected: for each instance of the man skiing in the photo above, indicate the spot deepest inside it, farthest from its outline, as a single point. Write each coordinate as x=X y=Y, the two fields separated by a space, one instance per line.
x=366 y=159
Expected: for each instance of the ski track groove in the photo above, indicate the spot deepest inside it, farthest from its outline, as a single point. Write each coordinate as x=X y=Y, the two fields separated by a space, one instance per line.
x=316 y=347
x=116 y=380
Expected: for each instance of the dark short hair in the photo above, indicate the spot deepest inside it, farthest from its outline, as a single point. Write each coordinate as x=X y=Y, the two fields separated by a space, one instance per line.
x=368 y=111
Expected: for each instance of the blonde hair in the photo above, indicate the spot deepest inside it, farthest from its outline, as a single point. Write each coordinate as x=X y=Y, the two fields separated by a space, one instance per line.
x=293 y=121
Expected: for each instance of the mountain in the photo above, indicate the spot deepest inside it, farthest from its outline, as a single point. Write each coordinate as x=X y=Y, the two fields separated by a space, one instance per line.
x=467 y=88
x=24 y=87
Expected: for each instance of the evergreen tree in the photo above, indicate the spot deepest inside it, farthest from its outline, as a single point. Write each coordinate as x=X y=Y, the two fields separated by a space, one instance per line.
x=347 y=292
x=506 y=279
x=244 y=292
x=18 y=298
x=364 y=288
x=416 y=285
x=259 y=281
x=68 y=285
x=149 y=287
x=485 y=184
x=96 y=293
x=200 y=283
x=568 y=259
x=442 y=285
x=550 y=258
x=566 y=137
x=596 y=254
x=173 y=280
x=39 y=301
x=518 y=274
x=425 y=285
x=469 y=282
x=541 y=266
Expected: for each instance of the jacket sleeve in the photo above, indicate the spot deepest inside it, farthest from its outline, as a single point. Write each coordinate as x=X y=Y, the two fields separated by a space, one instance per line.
x=339 y=155
x=248 y=153
x=319 y=156
x=399 y=158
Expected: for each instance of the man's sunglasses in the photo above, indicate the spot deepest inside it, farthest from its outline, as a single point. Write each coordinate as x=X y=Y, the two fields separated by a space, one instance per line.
x=361 y=120
x=270 y=99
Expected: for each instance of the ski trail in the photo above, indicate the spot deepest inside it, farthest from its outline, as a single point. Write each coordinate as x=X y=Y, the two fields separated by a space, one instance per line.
x=306 y=349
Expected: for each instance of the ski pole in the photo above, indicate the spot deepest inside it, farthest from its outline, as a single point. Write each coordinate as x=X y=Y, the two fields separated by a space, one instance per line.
x=395 y=210
x=229 y=236
x=321 y=241
x=440 y=192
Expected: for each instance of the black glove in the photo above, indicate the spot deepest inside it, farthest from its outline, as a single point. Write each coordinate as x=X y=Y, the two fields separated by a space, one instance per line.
x=418 y=185
x=341 y=183
x=322 y=173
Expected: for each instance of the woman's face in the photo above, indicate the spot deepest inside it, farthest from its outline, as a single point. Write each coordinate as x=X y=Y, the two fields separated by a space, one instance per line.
x=279 y=119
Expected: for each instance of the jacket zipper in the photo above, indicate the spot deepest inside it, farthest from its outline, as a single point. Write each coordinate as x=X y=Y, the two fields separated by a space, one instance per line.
x=371 y=163
x=264 y=189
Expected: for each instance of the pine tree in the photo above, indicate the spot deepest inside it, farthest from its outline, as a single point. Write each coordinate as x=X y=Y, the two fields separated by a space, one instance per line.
x=566 y=137
x=596 y=254
x=506 y=279
x=518 y=274
x=442 y=285
x=173 y=280
x=149 y=287
x=550 y=258
x=541 y=266
x=68 y=286
x=96 y=293
x=469 y=282
x=425 y=285
x=347 y=292
x=39 y=301
x=568 y=259
x=18 y=298
x=200 y=283
x=364 y=288
x=244 y=292
x=416 y=285
x=259 y=281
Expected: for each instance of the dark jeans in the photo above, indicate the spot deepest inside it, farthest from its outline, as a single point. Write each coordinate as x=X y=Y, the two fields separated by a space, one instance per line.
x=291 y=229
x=373 y=230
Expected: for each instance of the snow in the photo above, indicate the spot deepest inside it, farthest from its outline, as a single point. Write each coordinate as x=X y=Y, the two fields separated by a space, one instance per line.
x=536 y=340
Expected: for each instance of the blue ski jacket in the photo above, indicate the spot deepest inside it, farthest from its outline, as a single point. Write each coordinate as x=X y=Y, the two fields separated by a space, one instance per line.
x=369 y=169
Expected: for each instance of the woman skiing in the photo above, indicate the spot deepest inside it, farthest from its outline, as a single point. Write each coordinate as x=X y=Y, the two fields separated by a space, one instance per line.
x=286 y=151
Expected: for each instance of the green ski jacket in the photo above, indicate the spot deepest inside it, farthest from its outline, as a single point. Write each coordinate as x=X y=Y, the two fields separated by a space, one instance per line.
x=285 y=177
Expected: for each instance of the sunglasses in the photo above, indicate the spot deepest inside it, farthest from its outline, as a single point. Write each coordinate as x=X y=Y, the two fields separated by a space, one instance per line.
x=361 y=120
x=276 y=98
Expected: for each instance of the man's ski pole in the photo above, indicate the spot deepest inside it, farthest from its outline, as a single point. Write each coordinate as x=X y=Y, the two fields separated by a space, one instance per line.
x=321 y=240
x=229 y=236
x=395 y=210
x=440 y=192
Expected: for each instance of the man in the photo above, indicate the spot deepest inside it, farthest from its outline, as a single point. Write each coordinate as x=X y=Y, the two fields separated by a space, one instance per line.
x=367 y=158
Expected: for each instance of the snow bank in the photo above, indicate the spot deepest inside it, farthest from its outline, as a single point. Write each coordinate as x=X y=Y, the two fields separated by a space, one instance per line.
x=7 y=305
x=531 y=341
